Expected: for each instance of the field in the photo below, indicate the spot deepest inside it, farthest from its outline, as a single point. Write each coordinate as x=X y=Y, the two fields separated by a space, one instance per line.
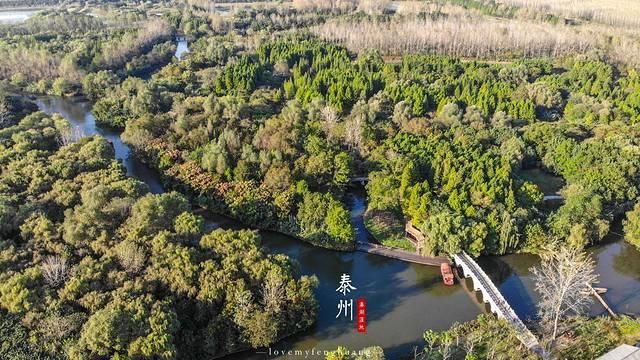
x=610 y=12
x=493 y=32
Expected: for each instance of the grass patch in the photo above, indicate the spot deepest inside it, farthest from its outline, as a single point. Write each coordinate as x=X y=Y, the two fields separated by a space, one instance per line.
x=388 y=229
x=629 y=329
x=548 y=183
x=593 y=337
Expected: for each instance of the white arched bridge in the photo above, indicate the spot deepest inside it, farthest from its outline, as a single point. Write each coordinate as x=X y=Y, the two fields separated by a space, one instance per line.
x=497 y=303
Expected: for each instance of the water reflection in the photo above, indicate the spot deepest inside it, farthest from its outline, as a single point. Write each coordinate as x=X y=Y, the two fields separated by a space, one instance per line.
x=403 y=299
x=15 y=16
x=182 y=47
x=356 y=200
x=512 y=276
x=78 y=112
x=617 y=263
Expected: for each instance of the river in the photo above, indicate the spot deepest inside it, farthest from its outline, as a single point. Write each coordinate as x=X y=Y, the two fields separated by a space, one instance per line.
x=403 y=300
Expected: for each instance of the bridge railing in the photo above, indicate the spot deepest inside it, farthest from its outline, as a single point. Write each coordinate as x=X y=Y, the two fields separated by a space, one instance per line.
x=504 y=310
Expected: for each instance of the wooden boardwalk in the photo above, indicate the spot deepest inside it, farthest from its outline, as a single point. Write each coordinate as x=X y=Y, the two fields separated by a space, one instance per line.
x=400 y=254
x=414 y=235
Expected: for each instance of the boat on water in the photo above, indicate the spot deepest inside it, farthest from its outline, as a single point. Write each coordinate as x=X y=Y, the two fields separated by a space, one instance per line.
x=447 y=274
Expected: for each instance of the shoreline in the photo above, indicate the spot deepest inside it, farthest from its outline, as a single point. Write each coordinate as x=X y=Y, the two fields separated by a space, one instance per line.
x=26 y=8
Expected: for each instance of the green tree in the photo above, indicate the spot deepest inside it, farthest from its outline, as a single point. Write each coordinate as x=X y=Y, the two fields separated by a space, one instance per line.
x=189 y=224
x=339 y=226
x=18 y=293
x=632 y=226
x=342 y=172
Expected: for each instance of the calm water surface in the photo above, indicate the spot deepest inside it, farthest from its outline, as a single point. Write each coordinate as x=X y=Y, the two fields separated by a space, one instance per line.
x=15 y=16
x=78 y=113
x=403 y=299
x=617 y=263
x=182 y=47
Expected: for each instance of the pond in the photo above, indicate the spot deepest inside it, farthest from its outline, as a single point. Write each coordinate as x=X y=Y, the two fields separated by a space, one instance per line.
x=617 y=263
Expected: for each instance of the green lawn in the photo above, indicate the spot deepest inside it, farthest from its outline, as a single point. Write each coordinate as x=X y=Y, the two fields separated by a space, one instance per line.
x=388 y=229
x=547 y=182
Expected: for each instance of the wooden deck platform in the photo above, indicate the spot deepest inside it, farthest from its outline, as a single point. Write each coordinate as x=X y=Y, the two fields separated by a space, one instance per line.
x=414 y=235
x=401 y=254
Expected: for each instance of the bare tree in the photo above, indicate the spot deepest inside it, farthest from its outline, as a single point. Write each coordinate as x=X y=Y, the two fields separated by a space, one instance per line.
x=281 y=68
x=330 y=119
x=373 y=7
x=70 y=135
x=273 y=292
x=563 y=279
x=5 y=113
x=55 y=270
x=458 y=35
x=329 y=114
x=131 y=256
x=244 y=307
x=353 y=132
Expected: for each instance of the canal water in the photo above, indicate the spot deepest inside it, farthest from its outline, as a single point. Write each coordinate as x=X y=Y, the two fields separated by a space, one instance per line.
x=78 y=112
x=617 y=263
x=14 y=16
x=403 y=300
x=182 y=47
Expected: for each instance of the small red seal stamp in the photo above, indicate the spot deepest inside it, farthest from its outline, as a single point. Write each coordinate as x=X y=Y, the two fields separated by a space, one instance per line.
x=361 y=311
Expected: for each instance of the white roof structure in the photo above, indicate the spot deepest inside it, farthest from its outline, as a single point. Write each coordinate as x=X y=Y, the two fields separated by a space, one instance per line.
x=622 y=352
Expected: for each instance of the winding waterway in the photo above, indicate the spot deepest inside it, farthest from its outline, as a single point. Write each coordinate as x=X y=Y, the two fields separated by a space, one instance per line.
x=403 y=300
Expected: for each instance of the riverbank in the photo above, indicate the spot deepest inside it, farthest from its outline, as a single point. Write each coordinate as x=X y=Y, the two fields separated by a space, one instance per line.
x=251 y=204
x=24 y=8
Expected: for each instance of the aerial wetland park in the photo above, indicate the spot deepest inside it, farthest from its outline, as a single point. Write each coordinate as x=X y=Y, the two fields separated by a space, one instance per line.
x=319 y=179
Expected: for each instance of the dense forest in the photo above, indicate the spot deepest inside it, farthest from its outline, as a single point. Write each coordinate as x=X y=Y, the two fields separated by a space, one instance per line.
x=271 y=130
x=101 y=268
x=268 y=120
x=78 y=49
x=446 y=144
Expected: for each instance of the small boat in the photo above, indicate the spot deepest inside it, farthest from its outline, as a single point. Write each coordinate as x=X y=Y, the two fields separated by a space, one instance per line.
x=447 y=274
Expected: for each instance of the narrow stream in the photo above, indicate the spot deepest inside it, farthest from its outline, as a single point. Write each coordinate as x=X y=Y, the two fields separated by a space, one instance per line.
x=78 y=112
x=403 y=299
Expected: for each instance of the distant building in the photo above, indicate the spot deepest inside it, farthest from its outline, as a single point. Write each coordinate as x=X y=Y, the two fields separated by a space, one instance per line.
x=622 y=352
